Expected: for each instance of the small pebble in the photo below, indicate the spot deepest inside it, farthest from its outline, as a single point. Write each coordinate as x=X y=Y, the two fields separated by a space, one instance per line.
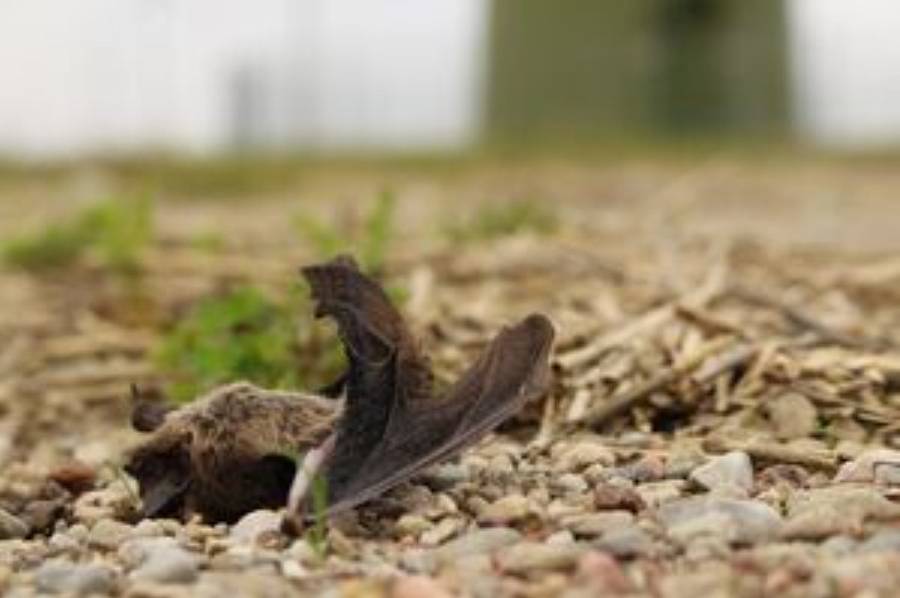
x=563 y=536
x=418 y=586
x=649 y=468
x=148 y=528
x=108 y=534
x=175 y=566
x=731 y=470
x=481 y=541
x=881 y=466
x=11 y=526
x=112 y=502
x=628 y=542
x=411 y=525
x=610 y=497
x=57 y=577
x=509 y=509
x=75 y=476
x=532 y=557
x=446 y=476
x=603 y=574
x=792 y=416
x=738 y=521
x=655 y=494
x=570 y=483
x=137 y=550
x=443 y=531
x=580 y=455
x=596 y=524
x=255 y=524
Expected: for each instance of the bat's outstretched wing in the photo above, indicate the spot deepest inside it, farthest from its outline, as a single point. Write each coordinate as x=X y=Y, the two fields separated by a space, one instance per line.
x=382 y=360
x=392 y=426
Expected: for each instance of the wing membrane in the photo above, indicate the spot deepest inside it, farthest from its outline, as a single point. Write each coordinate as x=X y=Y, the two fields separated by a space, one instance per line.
x=392 y=426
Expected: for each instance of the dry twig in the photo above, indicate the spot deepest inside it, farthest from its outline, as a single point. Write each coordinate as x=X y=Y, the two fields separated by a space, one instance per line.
x=776 y=453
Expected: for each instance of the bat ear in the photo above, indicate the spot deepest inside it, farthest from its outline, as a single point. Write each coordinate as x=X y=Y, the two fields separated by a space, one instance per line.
x=148 y=411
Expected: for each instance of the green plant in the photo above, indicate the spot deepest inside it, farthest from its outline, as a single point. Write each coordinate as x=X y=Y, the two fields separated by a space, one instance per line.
x=114 y=231
x=369 y=243
x=119 y=231
x=317 y=535
x=210 y=241
x=56 y=246
x=243 y=334
x=495 y=220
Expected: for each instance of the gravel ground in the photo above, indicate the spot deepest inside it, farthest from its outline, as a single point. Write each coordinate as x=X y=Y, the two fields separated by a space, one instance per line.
x=723 y=420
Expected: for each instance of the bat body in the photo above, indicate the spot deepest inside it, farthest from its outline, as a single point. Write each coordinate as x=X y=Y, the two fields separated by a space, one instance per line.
x=225 y=452
x=229 y=452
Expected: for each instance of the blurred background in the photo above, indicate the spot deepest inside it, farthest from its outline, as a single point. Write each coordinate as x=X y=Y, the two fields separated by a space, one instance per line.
x=206 y=77
x=166 y=166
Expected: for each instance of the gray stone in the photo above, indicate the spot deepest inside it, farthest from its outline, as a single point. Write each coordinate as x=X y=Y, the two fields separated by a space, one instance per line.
x=443 y=477
x=839 y=546
x=655 y=494
x=134 y=552
x=581 y=454
x=111 y=502
x=148 y=528
x=596 y=524
x=737 y=521
x=682 y=463
x=60 y=576
x=167 y=566
x=255 y=524
x=731 y=470
x=63 y=542
x=411 y=524
x=650 y=468
x=570 y=483
x=881 y=466
x=507 y=509
x=482 y=541
x=528 y=557
x=842 y=509
x=11 y=526
x=475 y=575
x=627 y=542
x=883 y=540
x=444 y=530
x=109 y=534
x=792 y=416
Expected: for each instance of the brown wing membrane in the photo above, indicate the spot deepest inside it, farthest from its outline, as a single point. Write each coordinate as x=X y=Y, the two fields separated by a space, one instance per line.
x=382 y=360
x=392 y=427
x=510 y=372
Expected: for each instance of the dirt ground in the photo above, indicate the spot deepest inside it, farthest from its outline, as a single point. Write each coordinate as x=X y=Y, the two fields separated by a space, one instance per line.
x=724 y=417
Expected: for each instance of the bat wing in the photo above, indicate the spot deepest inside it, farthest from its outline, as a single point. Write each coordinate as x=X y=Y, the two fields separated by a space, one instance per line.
x=382 y=360
x=511 y=371
x=392 y=426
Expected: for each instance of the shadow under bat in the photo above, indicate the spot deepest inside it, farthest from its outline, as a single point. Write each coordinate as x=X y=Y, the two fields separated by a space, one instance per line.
x=232 y=451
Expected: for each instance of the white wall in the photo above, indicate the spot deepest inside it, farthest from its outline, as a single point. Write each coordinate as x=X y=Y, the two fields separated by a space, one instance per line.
x=846 y=70
x=114 y=75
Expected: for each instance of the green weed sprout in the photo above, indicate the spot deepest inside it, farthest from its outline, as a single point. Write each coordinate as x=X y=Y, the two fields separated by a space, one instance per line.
x=240 y=335
x=245 y=335
x=116 y=232
x=369 y=244
x=317 y=535
x=493 y=221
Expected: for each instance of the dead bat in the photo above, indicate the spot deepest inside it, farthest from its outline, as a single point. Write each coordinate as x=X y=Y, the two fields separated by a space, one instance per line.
x=231 y=451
